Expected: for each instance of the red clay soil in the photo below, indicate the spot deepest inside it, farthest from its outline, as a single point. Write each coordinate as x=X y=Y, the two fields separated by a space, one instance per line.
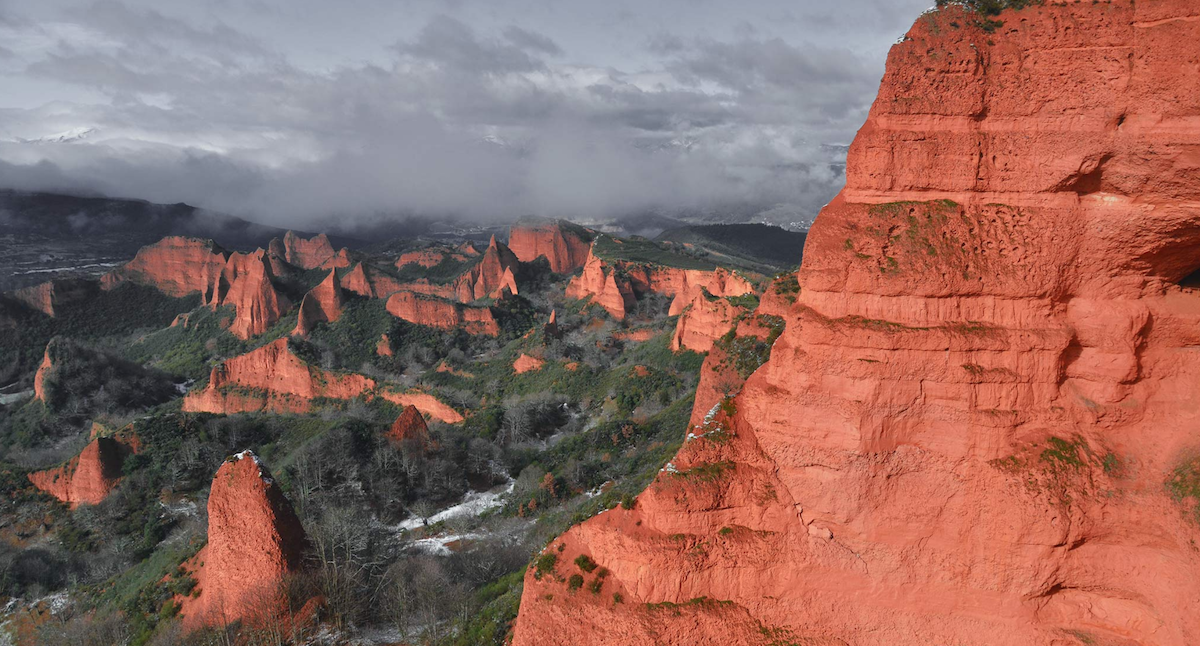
x=526 y=363
x=966 y=432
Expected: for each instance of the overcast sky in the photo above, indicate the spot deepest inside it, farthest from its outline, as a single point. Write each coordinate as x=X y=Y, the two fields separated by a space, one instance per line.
x=295 y=111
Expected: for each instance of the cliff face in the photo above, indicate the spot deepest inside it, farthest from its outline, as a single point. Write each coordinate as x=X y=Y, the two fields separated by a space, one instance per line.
x=90 y=476
x=564 y=245
x=966 y=432
x=615 y=285
x=322 y=304
x=704 y=320
x=314 y=253
x=271 y=378
x=180 y=266
x=255 y=541
x=409 y=428
x=443 y=314
x=49 y=296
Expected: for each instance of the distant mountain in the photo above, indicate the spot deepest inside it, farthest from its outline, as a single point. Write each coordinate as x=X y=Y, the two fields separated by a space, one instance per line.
x=762 y=247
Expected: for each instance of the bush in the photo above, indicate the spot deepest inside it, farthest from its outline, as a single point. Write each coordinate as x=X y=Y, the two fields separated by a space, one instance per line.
x=575 y=582
x=585 y=563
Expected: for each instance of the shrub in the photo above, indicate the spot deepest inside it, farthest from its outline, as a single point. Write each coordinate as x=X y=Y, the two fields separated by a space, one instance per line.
x=596 y=585
x=585 y=563
x=575 y=582
x=544 y=564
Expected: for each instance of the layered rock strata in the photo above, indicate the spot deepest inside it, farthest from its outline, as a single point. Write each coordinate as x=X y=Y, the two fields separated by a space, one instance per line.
x=973 y=428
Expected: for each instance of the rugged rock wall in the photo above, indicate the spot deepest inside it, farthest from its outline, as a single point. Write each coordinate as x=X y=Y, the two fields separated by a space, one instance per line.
x=704 y=320
x=255 y=541
x=443 y=314
x=49 y=296
x=966 y=433
x=271 y=378
x=322 y=304
x=314 y=253
x=179 y=266
x=409 y=428
x=563 y=244
x=615 y=285
x=89 y=477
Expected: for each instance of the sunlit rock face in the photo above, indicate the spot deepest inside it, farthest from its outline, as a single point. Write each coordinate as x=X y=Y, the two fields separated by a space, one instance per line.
x=564 y=246
x=967 y=431
x=255 y=541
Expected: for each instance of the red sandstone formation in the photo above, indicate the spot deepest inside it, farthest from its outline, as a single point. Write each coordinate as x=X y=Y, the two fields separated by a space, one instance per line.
x=426 y=403
x=492 y=275
x=51 y=295
x=246 y=284
x=410 y=428
x=43 y=372
x=314 y=253
x=423 y=257
x=89 y=477
x=706 y=319
x=175 y=265
x=446 y=315
x=384 y=347
x=271 y=378
x=600 y=284
x=180 y=266
x=526 y=363
x=565 y=245
x=255 y=541
x=964 y=434
x=322 y=304
x=551 y=330
x=371 y=283
x=614 y=285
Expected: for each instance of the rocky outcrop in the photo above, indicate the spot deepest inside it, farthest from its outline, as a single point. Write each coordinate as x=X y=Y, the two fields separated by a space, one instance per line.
x=551 y=330
x=255 y=541
x=43 y=374
x=179 y=266
x=322 y=304
x=424 y=402
x=706 y=319
x=600 y=284
x=371 y=283
x=409 y=429
x=424 y=257
x=89 y=477
x=315 y=253
x=966 y=431
x=50 y=296
x=614 y=285
x=176 y=266
x=563 y=244
x=383 y=347
x=272 y=378
x=442 y=314
x=526 y=363
x=492 y=275
x=246 y=285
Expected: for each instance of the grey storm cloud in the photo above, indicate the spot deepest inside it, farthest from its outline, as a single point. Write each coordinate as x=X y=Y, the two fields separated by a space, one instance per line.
x=286 y=113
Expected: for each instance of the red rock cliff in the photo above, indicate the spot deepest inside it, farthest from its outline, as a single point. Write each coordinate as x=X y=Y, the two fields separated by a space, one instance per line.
x=255 y=541
x=180 y=266
x=271 y=378
x=90 y=476
x=322 y=304
x=314 y=253
x=409 y=428
x=443 y=314
x=51 y=295
x=564 y=245
x=966 y=433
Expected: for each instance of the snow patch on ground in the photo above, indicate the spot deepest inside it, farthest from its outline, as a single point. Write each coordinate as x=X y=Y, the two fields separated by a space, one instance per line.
x=473 y=504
